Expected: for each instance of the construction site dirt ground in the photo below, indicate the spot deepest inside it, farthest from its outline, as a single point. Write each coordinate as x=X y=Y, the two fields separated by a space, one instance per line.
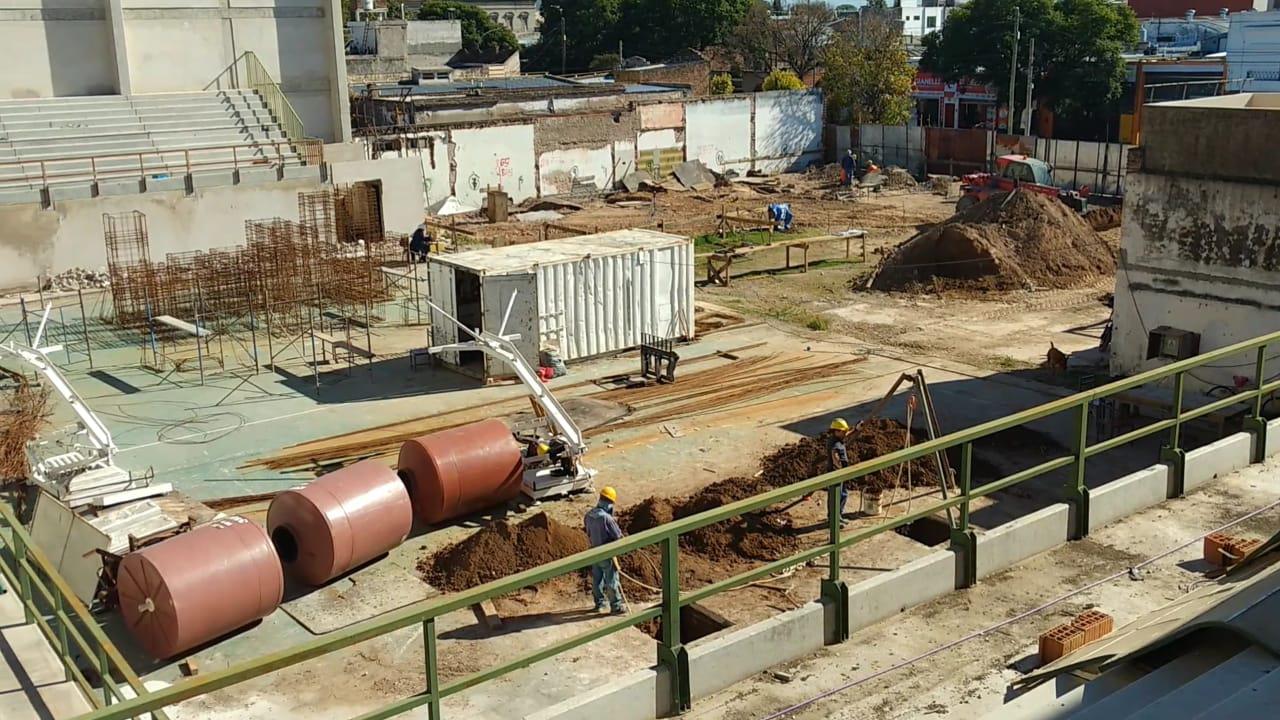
x=981 y=357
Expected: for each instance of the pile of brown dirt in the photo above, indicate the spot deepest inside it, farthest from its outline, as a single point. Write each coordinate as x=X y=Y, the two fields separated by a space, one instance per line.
x=499 y=550
x=1104 y=218
x=896 y=178
x=710 y=553
x=1010 y=240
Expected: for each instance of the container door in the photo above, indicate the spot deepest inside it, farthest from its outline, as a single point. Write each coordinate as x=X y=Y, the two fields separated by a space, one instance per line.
x=442 y=294
x=496 y=295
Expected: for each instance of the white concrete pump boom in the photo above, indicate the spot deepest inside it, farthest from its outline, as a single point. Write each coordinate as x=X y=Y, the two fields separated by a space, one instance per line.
x=90 y=441
x=500 y=346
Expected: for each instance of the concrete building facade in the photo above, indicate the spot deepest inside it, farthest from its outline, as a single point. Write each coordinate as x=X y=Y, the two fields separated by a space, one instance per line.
x=1253 y=51
x=1199 y=264
x=127 y=47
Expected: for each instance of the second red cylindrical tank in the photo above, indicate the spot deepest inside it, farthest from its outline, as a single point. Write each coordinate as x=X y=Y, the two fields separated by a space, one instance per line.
x=199 y=585
x=461 y=470
x=339 y=521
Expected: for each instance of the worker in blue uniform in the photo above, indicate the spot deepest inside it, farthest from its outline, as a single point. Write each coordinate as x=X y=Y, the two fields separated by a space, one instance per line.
x=602 y=529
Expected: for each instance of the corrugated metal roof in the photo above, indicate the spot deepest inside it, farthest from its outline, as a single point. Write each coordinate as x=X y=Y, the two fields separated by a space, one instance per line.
x=523 y=258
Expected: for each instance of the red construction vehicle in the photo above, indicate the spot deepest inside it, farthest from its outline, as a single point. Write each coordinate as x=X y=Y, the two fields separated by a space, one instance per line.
x=1017 y=171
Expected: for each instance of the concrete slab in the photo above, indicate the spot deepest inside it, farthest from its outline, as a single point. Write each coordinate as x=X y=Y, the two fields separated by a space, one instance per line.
x=1218 y=458
x=165 y=184
x=20 y=197
x=203 y=180
x=250 y=176
x=723 y=661
x=916 y=582
x=301 y=172
x=1019 y=539
x=120 y=187
x=33 y=683
x=78 y=191
x=1127 y=495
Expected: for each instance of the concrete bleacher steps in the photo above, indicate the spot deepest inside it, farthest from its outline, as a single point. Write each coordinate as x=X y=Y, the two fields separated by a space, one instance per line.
x=67 y=143
x=33 y=684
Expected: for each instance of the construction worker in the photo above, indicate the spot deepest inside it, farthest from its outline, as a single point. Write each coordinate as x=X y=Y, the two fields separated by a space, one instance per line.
x=848 y=169
x=602 y=529
x=838 y=457
x=420 y=244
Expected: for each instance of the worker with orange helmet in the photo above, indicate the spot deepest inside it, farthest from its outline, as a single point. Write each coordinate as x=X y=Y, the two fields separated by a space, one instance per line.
x=602 y=528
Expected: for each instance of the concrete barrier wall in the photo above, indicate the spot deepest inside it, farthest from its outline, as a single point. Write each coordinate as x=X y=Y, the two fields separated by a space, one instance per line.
x=920 y=580
x=1273 y=438
x=1127 y=495
x=720 y=662
x=1219 y=458
x=642 y=695
x=1019 y=539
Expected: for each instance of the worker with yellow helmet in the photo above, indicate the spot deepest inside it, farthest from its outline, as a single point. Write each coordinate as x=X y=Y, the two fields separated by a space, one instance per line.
x=602 y=529
x=838 y=456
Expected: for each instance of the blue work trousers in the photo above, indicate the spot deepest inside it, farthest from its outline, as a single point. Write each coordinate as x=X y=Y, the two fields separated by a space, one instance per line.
x=604 y=582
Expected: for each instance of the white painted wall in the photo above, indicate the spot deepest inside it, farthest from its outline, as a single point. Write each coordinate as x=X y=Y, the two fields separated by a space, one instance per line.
x=557 y=169
x=499 y=157
x=1177 y=241
x=788 y=130
x=718 y=132
x=1253 y=50
x=65 y=53
x=70 y=234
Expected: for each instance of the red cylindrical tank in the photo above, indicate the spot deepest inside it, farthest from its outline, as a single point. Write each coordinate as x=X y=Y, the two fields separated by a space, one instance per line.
x=339 y=521
x=199 y=585
x=461 y=470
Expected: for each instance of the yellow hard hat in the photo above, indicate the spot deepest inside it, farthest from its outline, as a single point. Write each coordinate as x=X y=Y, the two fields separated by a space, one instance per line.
x=543 y=448
x=839 y=424
x=608 y=493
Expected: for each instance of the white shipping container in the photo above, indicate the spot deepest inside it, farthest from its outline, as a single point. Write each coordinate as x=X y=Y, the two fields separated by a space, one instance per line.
x=584 y=296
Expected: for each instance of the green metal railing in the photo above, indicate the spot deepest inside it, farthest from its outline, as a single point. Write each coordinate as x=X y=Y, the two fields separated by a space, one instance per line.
x=62 y=618
x=671 y=652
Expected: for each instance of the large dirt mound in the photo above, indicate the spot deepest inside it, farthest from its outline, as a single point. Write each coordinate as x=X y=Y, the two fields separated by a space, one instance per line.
x=499 y=550
x=1010 y=240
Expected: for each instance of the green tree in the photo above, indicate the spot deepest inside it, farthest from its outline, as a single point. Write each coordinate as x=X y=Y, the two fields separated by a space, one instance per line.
x=722 y=84
x=656 y=29
x=796 y=41
x=590 y=29
x=1077 y=58
x=479 y=32
x=868 y=76
x=782 y=80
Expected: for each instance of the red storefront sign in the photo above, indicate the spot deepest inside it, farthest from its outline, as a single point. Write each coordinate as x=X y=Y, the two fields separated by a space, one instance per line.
x=928 y=86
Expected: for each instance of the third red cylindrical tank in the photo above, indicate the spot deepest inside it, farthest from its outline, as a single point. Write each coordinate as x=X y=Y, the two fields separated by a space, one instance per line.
x=200 y=585
x=339 y=521
x=461 y=470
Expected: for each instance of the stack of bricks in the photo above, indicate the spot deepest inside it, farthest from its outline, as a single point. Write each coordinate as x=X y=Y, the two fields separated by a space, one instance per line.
x=1066 y=638
x=1094 y=624
x=1222 y=550
x=1059 y=641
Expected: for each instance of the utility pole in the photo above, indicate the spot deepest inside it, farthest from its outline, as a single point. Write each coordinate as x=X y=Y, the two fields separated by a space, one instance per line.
x=1031 y=50
x=563 y=45
x=1013 y=69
